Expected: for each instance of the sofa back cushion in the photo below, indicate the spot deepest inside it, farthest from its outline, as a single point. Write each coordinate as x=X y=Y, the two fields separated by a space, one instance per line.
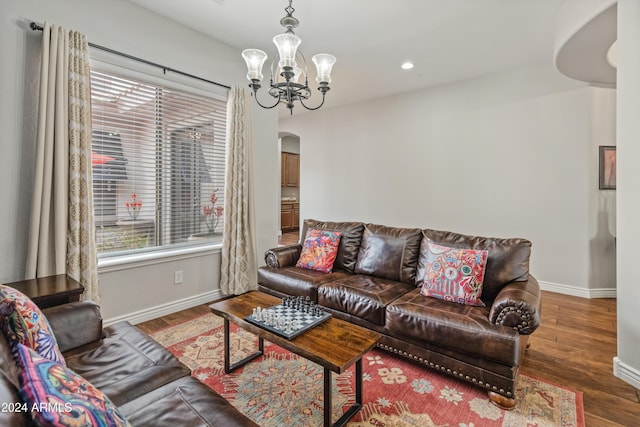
x=349 y=242
x=507 y=261
x=389 y=252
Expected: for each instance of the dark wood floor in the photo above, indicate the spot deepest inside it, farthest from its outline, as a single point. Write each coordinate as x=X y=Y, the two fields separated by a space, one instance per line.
x=289 y=238
x=573 y=347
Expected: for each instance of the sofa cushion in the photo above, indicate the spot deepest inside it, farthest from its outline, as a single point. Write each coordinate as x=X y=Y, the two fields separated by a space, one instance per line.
x=75 y=323
x=183 y=402
x=454 y=275
x=126 y=364
x=349 y=242
x=297 y=281
x=319 y=250
x=23 y=323
x=389 y=252
x=507 y=260
x=457 y=327
x=63 y=398
x=362 y=296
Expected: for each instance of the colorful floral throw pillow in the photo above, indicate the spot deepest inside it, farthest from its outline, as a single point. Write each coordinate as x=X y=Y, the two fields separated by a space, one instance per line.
x=57 y=396
x=22 y=322
x=454 y=274
x=319 y=250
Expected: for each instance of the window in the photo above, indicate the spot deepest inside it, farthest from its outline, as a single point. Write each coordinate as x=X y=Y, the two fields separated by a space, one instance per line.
x=158 y=154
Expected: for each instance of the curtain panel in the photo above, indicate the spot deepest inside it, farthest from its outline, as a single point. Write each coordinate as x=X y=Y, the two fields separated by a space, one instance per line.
x=238 y=262
x=62 y=227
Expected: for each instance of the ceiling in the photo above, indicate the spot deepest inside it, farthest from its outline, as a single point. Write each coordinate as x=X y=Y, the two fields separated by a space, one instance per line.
x=447 y=40
x=586 y=32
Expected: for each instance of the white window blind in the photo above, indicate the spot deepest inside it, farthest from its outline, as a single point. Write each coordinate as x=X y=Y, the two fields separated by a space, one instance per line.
x=158 y=158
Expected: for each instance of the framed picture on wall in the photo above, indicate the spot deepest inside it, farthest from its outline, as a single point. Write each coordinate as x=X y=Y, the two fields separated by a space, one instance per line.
x=607 y=167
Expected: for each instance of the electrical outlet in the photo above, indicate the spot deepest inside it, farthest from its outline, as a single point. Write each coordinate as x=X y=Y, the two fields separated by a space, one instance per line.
x=177 y=277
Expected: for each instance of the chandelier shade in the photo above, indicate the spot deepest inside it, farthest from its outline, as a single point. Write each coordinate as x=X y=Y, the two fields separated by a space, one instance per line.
x=255 y=60
x=287 y=45
x=324 y=63
x=284 y=87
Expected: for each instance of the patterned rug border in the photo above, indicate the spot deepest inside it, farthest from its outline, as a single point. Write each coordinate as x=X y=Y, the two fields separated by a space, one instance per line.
x=217 y=322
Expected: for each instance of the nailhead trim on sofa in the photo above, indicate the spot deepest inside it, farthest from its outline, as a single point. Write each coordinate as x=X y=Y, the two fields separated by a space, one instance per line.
x=445 y=369
x=524 y=315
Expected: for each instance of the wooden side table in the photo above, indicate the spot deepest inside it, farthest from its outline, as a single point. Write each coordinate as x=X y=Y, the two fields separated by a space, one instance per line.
x=51 y=290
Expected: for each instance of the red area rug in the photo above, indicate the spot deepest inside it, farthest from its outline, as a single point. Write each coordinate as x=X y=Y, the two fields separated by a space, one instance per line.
x=283 y=389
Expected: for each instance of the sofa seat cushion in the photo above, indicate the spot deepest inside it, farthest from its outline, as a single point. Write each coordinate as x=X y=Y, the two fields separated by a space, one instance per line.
x=185 y=402
x=454 y=326
x=296 y=281
x=362 y=296
x=126 y=364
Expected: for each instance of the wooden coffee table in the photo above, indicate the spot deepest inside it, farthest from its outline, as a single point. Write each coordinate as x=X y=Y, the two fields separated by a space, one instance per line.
x=335 y=344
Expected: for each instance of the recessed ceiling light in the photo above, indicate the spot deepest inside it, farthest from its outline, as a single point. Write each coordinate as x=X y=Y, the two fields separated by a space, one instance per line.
x=407 y=65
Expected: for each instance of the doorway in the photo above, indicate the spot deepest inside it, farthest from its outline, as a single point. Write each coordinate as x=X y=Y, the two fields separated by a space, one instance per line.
x=289 y=147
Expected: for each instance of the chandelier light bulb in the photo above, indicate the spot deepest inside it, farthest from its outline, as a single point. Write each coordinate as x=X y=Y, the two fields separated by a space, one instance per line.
x=255 y=60
x=297 y=72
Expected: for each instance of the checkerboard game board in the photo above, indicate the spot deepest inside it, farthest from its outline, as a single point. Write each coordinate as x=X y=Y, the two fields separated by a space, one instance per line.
x=289 y=319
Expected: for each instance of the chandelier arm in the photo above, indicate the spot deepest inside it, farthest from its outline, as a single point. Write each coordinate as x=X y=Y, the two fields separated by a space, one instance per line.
x=313 y=108
x=255 y=96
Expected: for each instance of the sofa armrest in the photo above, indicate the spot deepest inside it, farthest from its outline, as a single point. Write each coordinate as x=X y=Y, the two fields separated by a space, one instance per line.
x=283 y=256
x=75 y=324
x=518 y=306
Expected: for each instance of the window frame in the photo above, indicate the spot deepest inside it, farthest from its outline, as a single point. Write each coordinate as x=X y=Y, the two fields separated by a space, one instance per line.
x=108 y=62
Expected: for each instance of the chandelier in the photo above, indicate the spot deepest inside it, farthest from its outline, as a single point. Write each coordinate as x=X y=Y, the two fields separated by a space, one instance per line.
x=283 y=85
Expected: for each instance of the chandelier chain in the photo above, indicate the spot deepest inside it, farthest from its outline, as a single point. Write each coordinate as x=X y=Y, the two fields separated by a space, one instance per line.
x=289 y=9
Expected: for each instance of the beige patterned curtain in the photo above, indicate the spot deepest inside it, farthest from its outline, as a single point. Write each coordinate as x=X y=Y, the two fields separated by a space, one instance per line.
x=62 y=230
x=238 y=265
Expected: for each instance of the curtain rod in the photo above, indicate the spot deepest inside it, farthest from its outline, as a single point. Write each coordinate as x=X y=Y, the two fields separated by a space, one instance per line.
x=36 y=27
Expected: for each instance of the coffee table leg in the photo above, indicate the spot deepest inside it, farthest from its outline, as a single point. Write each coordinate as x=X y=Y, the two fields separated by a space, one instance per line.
x=228 y=366
x=327 y=398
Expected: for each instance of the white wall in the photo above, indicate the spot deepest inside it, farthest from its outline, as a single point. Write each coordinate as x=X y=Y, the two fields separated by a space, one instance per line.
x=512 y=154
x=627 y=363
x=147 y=289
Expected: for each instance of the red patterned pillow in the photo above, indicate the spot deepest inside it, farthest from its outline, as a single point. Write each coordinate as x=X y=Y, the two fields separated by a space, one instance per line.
x=454 y=274
x=319 y=250
x=23 y=322
x=57 y=396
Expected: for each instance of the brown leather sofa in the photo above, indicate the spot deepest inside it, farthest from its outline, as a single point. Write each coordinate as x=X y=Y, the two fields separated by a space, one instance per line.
x=145 y=381
x=376 y=281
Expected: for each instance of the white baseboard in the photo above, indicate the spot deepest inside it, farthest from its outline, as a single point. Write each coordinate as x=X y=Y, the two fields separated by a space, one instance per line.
x=578 y=292
x=165 y=309
x=626 y=373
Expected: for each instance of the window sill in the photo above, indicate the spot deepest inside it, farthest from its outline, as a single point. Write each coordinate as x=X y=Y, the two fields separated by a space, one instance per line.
x=125 y=262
